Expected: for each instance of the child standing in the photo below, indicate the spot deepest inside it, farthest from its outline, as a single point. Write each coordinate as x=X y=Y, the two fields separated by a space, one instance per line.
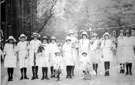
x=85 y=65
x=58 y=64
x=10 y=58
x=22 y=49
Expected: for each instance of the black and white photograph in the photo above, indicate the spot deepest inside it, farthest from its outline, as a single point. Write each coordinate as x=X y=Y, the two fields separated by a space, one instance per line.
x=67 y=42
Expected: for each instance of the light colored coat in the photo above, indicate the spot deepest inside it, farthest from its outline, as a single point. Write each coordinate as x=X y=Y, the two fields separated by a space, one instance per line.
x=128 y=50
x=58 y=62
x=95 y=53
x=22 y=48
x=10 y=58
x=33 y=48
x=44 y=58
x=68 y=55
x=84 y=46
x=107 y=46
x=53 y=47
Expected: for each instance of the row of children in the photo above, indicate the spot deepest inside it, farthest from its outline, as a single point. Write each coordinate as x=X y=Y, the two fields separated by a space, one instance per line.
x=90 y=53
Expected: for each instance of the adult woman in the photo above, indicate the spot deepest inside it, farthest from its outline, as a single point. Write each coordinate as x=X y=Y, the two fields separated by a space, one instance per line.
x=68 y=57
x=128 y=52
x=94 y=51
x=33 y=50
x=107 y=47
x=120 y=47
x=10 y=58
x=22 y=48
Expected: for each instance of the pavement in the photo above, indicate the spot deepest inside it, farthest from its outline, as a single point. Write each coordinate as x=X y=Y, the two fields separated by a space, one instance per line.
x=115 y=77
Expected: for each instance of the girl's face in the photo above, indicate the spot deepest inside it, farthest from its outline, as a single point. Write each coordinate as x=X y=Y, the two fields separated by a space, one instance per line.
x=106 y=37
x=35 y=38
x=57 y=54
x=127 y=34
x=84 y=36
x=11 y=41
x=44 y=41
x=84 y=55
x=94 y=37
x=71 y=35
x=121 y=34
x=68 y=41
x=23 y=39
x=53 y=41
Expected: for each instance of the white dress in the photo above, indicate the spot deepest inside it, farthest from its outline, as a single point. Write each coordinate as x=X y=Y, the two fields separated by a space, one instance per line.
x=68 y=55
x=53 y=47
x=10 y=58
x=120 y=49
x=128 y=50
x=22 y=48
x=84 y=46
x=106 y=46
x=33 y=48
x=95 y=53
x=58 y=62
x=44 y=58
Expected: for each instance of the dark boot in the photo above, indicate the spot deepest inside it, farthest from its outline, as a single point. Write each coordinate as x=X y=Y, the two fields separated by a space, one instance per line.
x=73 y=67
x=22 y=69
x=12 y=72
x=127 y=67
x=25 y=73
x=33 y=72
x=43 y=73
x=9 y=74
x=70 y=72
x=46 y=73
x=130 y=69
x=96 y=68
x=52 y=72
x=108 y=67
x=36 y=73
x=105 y=65
x=122 y=68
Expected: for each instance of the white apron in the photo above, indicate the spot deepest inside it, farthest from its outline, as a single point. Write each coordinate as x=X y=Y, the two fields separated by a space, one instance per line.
x=68 y=55
x=58 y=62
x=106 y=46
x=34 y=45
x=128 y=51
x=95 y=53
x=53 y=47
x=22 y=48
x=44 y=58
x=10 y=58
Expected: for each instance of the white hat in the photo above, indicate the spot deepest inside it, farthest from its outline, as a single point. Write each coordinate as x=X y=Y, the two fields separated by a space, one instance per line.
x=53 y=38
x=11 y=38
x=22 y=35
x=84 y=33
x=121 y=31
x=94 y=34
x=35 y=34
x=106 y=33
x=70 y=32
x=44 y=37
x=68 y=38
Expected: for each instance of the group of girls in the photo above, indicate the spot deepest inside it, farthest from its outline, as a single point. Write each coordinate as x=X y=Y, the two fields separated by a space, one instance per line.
x=84 y=53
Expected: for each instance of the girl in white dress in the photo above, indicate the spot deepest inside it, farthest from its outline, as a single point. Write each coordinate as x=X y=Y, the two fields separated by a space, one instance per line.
x=53 y=48
x=44 y=58
x=120 y=47
x=107 y=46
x=129 y=54
x=95 y=53
x=35 y=43
x=22 y=50
x=10 y=57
